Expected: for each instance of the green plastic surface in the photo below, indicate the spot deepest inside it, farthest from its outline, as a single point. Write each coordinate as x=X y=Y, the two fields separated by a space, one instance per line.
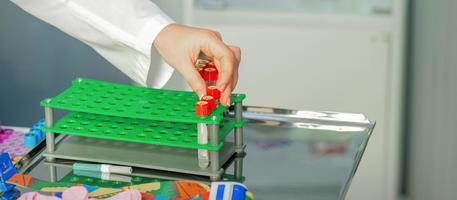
x=164 y=133
x=120 y=100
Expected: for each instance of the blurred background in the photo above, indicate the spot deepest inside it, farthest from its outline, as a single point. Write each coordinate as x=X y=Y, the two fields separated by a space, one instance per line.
x=392 y=60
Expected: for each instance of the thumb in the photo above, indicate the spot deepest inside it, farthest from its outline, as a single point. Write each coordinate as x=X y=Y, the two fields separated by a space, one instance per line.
x=193 y=78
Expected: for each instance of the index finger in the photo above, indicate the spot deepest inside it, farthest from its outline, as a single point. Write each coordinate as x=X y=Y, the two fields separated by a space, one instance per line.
x=225 y=62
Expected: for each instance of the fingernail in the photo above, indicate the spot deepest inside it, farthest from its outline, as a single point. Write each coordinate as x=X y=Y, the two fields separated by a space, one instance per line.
x=200 y=94
x=228 y=101
x=222 y=88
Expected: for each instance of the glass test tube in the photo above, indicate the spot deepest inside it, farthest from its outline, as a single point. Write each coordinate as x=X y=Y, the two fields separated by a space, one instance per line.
x=202 y=110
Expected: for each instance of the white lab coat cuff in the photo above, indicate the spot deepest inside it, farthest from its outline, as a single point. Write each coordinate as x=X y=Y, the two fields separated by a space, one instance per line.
x=145 y=44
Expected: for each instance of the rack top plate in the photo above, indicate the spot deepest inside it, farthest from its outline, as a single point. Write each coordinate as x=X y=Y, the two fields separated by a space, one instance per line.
x=121 y=100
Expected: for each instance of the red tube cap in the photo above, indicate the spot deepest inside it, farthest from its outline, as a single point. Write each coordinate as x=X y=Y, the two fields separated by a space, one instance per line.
x=214 y=92
x=211 y=101
x=202 y=108
x=210 y=74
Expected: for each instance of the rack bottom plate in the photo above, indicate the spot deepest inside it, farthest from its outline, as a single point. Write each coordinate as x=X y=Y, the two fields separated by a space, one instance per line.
x=137 y=155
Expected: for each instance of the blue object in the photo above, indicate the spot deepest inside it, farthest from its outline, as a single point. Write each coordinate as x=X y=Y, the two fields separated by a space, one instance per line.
x=36 y=131
x=239 y=192
x=220 y=192
x=30 y=140
x=10 y=195
x=228 y=191
x=7 y=170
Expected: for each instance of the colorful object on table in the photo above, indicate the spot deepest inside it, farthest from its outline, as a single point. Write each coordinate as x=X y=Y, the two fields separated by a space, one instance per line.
x=81 y=193
x=214 y=92
x=17 y=143
x=13 y=143
x=228 y=191
x=104 y=168
x=35 y=134
x=5 y=134
x=158 y=189
x=7 y=170
x=10 y=195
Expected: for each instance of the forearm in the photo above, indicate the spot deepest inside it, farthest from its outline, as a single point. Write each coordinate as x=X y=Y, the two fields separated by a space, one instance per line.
x=121 y=31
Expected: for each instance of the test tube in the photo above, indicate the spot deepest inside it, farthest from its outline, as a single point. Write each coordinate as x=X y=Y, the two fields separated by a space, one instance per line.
x=214 y=92
x=210 y=76
x=202 y=109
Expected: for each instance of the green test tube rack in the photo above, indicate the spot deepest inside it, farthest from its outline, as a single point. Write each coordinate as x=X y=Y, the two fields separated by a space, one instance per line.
x=111 y=111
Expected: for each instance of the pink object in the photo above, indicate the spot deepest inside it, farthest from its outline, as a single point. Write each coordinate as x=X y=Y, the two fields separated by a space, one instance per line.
x=130 y=194
x=80 y=193
x=75 y=193
x=13 y=143
x=36 y=196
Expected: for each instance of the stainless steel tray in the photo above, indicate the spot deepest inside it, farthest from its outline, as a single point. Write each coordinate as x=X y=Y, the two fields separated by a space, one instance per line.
x=293 y=154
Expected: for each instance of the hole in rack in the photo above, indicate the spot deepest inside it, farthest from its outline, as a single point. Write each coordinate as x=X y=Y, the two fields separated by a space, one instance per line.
x=128 y=128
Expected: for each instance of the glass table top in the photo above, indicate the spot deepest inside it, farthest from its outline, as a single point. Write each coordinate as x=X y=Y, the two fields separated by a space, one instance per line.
x=290 y=154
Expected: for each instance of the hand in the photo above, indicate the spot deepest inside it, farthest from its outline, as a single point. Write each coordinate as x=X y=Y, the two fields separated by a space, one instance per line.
x=180 y=47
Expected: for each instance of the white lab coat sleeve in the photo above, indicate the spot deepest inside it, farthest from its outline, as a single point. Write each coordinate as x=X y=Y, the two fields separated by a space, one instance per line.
x=122 y=31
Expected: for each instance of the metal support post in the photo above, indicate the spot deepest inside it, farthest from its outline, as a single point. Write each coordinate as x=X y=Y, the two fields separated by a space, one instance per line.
x=239 y=143
x=50 y=139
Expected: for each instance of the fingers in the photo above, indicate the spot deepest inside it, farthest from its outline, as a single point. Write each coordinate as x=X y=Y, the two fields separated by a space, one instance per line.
x=226 y=60
x=193 y=78
x=225 y=96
